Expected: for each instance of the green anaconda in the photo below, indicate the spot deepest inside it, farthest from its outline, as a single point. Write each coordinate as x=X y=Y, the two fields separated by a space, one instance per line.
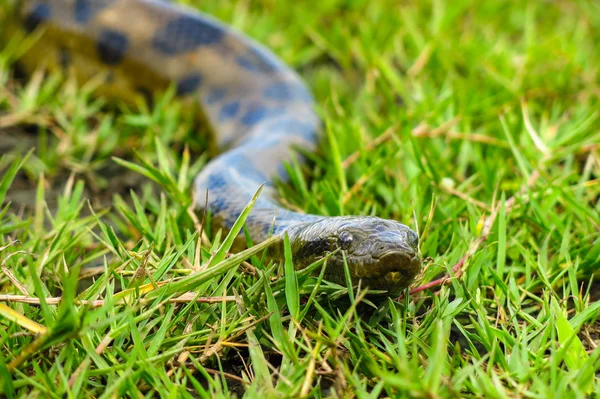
x=257 y=107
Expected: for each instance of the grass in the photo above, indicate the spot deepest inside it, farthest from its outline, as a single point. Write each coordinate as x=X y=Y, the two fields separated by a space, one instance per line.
x=476 y=123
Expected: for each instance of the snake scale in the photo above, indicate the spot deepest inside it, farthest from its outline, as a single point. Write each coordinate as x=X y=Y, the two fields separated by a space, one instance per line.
x=257 y=107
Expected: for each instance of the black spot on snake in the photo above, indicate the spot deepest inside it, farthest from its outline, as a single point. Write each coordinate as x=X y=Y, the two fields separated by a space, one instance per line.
x=258 y=113
x=112 y=46
x=189 y=84
x=229 y=110
x=216 y=181
x=254 y=116
x=39 y=14
x=84 y=10
x=186 y=33
x=64 y=58
x=218 y=204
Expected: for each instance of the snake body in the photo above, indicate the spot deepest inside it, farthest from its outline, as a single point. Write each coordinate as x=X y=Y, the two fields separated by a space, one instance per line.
x=258 y=109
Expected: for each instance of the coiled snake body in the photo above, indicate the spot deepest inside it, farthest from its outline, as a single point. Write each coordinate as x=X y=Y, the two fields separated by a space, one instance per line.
x=256 y=106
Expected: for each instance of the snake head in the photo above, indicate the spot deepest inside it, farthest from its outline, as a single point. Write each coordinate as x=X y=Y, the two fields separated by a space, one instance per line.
x=384 y=254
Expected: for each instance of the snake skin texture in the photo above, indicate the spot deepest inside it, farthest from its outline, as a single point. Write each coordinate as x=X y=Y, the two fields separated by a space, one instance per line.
x=257 y=108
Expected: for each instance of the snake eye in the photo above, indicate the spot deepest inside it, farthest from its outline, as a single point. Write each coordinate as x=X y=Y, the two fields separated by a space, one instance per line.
x=412 y=239
x=345 y=239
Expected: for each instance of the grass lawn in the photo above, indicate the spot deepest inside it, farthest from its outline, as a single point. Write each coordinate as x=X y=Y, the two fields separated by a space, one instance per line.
x=477 y=123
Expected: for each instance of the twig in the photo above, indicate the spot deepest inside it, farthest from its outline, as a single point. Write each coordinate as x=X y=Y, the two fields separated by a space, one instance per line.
x=423 y=130
x=457 y=269
x=385 y=136
x=465 y=197
x=421 y=61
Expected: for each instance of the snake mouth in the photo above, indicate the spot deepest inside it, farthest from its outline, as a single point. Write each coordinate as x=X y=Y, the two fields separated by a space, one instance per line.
x=399 y=267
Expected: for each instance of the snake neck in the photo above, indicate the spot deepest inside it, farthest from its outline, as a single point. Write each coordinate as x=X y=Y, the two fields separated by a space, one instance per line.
x=266 y=219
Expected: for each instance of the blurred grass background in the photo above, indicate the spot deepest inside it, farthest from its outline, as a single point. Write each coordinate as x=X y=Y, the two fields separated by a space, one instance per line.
x=437 y=112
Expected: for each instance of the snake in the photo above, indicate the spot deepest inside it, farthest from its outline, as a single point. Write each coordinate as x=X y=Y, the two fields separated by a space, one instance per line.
x=257 y=108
